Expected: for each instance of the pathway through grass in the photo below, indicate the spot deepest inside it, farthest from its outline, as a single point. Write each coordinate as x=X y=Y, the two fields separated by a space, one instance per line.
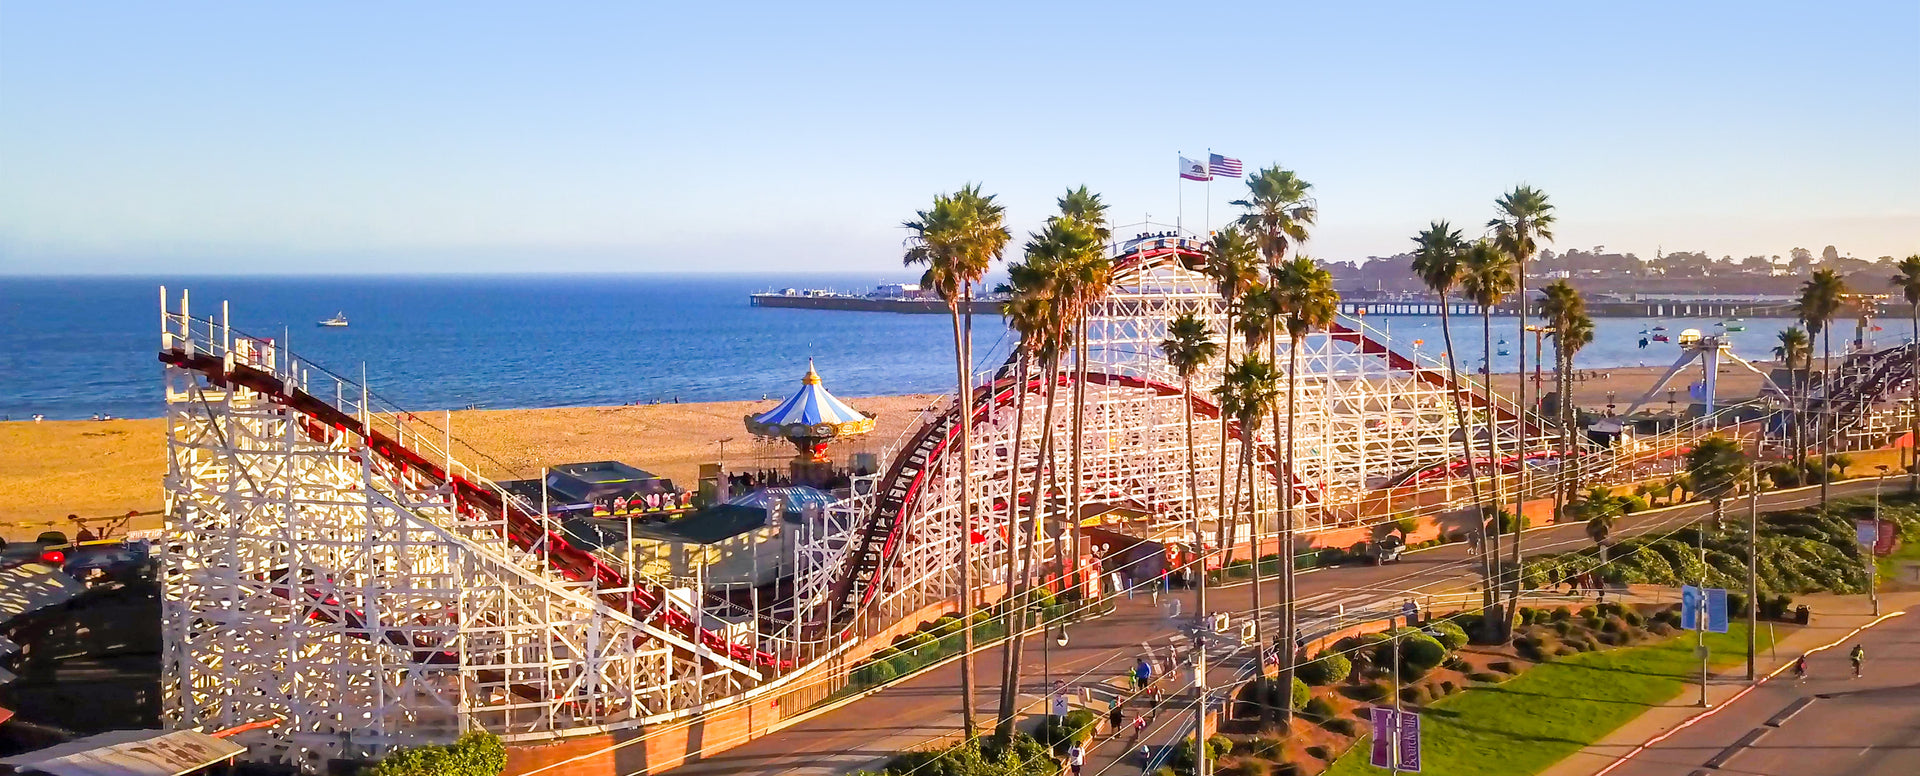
x=1536 y=719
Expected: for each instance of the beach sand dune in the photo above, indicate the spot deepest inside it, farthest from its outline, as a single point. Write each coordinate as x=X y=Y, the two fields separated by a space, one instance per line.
x=97 y=469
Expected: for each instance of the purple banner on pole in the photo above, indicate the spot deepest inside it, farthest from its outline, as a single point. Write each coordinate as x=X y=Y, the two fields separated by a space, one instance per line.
x=1409 y=742
x=1383 y=733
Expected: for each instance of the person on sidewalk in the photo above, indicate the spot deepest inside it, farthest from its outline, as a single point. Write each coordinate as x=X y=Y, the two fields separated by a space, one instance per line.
x=1800 y=668
x=1142 y=672
x=1076 y=758
x=1116 y=716
x=1858 y=656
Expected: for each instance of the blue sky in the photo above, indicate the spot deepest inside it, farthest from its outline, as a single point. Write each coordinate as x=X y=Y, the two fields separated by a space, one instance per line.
x=475 y=137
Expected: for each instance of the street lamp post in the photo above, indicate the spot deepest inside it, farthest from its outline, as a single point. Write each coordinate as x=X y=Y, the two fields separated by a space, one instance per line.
x=1866 y=554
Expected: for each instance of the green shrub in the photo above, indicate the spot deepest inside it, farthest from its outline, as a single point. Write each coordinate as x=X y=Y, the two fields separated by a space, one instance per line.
x=1450 y=635
x=1077 y=726
x=1372 y=692
x=1318 y=708
x=875 y=673
x=1342 y=725
x=1447 y=687
x=475 y=754
x=1486 y=676
x=1329 y=668
x=1318 y=752
x=1301 y=693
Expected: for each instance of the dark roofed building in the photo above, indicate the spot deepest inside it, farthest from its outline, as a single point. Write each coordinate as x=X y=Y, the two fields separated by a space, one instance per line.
x=602 y=489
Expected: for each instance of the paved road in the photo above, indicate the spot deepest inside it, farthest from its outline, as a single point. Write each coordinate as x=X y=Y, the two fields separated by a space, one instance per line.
x=1866 y=727
x=864 y=733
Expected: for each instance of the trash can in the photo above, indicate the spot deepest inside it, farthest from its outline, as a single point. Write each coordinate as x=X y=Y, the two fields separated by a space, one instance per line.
x=1802 y=615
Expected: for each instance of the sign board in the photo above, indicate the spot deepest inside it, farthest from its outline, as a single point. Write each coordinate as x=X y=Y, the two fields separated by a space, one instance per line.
x=1057 y=706
x=1889 y=536
x=1690 y=605
x=1392 y=727
x=1866 y=532
x=1717 y=610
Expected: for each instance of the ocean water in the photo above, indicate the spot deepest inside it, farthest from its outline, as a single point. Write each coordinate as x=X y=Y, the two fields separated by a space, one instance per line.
x=79 y=346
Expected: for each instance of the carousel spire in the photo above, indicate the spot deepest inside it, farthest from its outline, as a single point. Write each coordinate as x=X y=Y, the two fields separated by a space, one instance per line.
x=811 y=419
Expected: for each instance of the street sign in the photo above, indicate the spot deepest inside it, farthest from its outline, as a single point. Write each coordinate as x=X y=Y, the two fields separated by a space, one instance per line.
x=1689 y=607
x=1889 y=536
x=1717 y=609
x=1057 y=706
x=1391 y=727
x=1866 y=532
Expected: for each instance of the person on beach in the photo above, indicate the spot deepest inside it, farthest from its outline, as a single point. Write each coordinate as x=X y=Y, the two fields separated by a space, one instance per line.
x=1857 y=656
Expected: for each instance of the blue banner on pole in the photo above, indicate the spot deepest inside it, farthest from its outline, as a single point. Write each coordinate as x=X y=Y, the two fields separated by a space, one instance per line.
x=1717 y=609
x=1690 y=607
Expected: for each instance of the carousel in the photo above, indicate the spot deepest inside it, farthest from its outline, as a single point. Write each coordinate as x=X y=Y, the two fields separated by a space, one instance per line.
x=811 y=419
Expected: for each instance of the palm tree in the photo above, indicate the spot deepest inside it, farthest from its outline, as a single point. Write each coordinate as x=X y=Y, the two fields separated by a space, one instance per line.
x=1033 y=311
x=1304 y=295
x=1233 y=265
x=1246 y=393
x=1715 y=467
x=1486 y=278
x=1820 y=299
x=1795 y=352
x=1436 y=261
x=1524 y=218
x=1189 y=346
x=1599 y=527
x=1278 y=211
x=1086 y=273
x=958 y=239
x=1565 y=313
x=1908 y=281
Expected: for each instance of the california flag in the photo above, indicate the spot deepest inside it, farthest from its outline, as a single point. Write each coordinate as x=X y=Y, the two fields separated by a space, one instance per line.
x=1194 y=171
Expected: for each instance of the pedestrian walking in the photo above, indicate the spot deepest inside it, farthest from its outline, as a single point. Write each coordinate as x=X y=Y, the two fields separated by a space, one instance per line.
x=1139 y=726
x=1142 y=673
x=1116 y=716
x=1076 y=758
x=1858 y=656
x=1800 y=668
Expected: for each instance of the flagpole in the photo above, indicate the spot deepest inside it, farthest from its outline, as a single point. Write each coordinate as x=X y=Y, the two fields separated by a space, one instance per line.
x=1180 y=195
x=1206 y=210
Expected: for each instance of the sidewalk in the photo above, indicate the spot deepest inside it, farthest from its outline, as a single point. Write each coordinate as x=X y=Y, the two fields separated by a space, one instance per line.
x=1834 y=616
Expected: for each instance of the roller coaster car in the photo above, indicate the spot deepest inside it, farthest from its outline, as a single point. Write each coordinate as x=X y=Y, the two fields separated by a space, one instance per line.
x=1387 y=550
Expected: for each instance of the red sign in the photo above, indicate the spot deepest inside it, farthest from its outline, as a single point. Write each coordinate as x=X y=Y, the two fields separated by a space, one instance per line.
x=1887 y=537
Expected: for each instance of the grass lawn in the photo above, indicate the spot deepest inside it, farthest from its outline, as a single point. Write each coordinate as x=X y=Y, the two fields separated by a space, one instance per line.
x=1535 y=719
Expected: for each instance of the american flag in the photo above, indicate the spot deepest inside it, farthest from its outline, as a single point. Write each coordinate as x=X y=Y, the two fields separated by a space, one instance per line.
x=1223 y=166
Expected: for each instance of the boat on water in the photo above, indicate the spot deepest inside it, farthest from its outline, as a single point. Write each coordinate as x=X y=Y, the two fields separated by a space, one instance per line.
x=339 y=320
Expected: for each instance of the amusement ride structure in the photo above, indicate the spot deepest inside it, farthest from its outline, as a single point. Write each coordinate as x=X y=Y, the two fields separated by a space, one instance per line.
x=331 y=563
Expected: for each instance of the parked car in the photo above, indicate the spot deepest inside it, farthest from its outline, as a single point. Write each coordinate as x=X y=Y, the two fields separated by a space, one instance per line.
x=1387 y=550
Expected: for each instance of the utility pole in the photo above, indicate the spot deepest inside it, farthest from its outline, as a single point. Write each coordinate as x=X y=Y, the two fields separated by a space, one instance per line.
x=1700 y=612
x=1753 y=574
x=1202 y=767
x=1866 y=553
x=1393 y=746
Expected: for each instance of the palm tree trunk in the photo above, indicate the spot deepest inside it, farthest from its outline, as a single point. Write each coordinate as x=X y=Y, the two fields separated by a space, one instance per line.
x=1016 y=580
x=1522 y=477
x=1223 y=530
x=964 y=401
x=1466 y=442
x=1193 y=506
x=1496 y=624
x=1253 y=540
x=1913 y=406
x=1288 y=626
x=1826 y=410
x=1079 y=448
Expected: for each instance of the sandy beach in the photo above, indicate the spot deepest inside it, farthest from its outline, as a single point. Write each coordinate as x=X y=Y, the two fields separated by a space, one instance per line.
x=51 y=469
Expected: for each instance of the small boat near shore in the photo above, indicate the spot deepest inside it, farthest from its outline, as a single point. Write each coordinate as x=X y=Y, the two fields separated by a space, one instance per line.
x=338 y=321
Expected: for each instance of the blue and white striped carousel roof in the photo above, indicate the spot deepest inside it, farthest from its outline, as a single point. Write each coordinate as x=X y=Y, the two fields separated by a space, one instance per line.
x=810 y=410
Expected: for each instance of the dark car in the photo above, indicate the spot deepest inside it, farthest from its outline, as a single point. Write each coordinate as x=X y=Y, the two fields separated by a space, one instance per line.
x=114 y=558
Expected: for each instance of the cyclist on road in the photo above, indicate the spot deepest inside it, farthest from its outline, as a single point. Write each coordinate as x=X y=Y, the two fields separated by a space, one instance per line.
x=1858 y=656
